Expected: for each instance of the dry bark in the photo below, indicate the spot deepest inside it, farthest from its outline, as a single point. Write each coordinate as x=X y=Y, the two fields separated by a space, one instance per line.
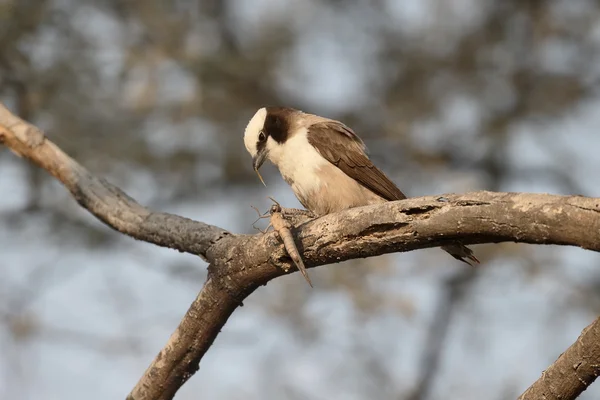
x=572 y=372
x=241 y=263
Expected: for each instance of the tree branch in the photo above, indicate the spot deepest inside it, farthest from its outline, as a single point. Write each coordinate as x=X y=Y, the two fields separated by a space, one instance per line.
x=241 y=263
x=572 y=372
x=106 y=202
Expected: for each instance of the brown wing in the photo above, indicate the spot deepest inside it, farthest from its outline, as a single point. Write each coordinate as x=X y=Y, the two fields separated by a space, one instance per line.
x=339 y=145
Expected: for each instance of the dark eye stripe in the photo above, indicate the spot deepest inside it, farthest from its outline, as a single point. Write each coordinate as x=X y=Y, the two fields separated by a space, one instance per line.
x=276 y=124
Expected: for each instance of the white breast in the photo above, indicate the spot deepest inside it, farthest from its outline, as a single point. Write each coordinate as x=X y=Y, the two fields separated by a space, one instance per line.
x=319 y=185
x=298 y=162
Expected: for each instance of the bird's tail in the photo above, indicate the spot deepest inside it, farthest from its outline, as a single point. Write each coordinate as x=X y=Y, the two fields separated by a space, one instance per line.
x=461 y=252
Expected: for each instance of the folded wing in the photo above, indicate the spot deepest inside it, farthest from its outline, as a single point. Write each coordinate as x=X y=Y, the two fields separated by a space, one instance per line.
x=339 y=145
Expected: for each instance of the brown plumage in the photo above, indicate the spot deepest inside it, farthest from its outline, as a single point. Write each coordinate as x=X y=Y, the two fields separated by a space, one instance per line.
x=339 y=145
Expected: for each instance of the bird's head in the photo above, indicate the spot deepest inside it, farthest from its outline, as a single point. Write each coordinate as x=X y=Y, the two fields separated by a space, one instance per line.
x=266 y=132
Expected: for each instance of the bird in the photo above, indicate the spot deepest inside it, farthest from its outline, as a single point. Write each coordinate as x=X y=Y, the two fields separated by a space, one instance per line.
x=325 y=163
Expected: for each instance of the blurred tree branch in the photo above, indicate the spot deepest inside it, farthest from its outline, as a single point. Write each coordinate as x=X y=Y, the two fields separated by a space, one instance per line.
x=452 y=294
x=241 y=263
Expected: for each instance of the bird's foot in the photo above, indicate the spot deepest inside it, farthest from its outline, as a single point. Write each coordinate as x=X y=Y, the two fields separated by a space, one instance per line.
x=297 y=212
x=296 y=216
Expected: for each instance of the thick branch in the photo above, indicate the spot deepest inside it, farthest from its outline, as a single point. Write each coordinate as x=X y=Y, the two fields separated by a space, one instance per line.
x=241 y=263
x=107 y=202
x=574 y=370
x=180 y=358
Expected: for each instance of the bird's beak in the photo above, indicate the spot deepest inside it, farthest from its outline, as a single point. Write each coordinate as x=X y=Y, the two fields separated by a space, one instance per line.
x=257 y=161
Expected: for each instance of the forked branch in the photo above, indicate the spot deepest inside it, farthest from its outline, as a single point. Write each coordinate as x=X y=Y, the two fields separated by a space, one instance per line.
x=241 y=263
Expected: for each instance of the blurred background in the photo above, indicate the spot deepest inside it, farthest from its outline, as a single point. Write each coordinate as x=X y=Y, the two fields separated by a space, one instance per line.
x=449 y=95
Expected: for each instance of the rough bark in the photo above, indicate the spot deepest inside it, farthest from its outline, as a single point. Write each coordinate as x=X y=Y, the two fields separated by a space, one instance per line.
x=574 y=370
x=241 y=263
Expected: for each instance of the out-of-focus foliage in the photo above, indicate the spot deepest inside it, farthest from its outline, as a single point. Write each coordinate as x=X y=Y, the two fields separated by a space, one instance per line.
x=450 y=95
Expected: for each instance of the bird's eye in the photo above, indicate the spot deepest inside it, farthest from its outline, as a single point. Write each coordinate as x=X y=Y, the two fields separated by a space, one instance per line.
x=261 y=136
